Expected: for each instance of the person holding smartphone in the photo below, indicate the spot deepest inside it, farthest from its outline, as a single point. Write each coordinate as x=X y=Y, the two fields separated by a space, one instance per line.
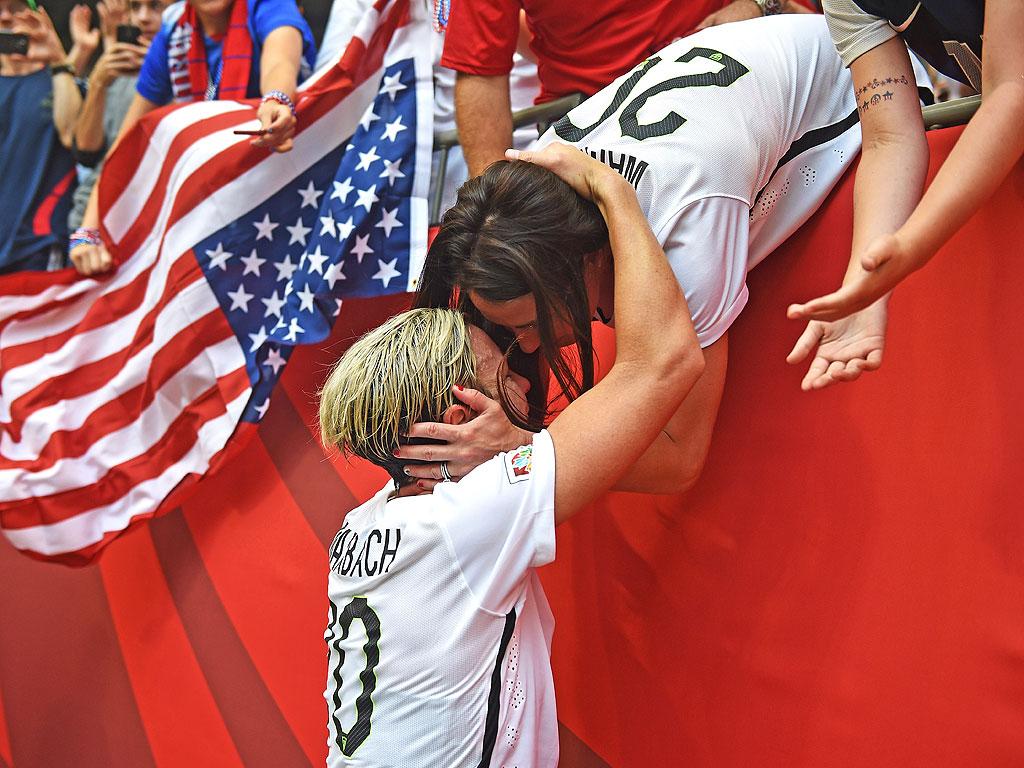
x=127 y=29
x=39 y=101
x=215 y=49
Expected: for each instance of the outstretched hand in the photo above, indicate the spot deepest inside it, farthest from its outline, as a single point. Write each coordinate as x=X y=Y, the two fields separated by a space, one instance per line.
x=465 y=446
x=846 y=348
x=886 y=261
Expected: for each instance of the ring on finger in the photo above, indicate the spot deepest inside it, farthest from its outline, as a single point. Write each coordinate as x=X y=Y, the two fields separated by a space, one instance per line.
x=446 y=476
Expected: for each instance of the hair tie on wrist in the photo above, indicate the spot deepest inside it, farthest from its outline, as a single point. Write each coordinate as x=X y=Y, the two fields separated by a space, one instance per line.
x=281 y=98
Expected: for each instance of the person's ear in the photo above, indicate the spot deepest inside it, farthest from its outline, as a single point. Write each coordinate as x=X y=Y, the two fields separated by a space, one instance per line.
x=456 y=413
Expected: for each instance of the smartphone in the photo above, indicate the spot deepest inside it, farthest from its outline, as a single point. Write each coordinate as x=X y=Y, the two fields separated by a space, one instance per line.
x=128 y=33
x=13 y=42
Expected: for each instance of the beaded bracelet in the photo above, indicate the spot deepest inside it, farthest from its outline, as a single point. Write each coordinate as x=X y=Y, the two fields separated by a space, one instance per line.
x=281 y=98
x=84 y=236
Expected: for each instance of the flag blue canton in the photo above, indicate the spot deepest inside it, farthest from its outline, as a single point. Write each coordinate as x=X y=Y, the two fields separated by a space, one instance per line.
x=342 y=228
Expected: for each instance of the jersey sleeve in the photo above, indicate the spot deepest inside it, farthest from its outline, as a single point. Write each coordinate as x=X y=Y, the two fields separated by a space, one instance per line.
x=154 y=81
x=854 y=31
x=500 y=521
x=706 y=243
x=481 y=36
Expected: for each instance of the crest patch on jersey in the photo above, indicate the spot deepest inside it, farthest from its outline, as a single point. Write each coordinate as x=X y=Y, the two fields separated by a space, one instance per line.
x=519 y=464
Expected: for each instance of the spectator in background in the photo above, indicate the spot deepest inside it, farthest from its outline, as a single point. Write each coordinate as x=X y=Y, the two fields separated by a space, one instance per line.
x=111 y=87
x=576 y=50
x=210 y=49
x=39 y=101
x=895 y=229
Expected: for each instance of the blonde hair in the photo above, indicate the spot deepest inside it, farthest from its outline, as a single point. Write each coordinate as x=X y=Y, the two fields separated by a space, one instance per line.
x=401 y=372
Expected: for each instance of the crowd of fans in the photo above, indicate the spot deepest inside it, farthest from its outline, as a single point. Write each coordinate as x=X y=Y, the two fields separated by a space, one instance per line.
x=131 y=56
x=64 y=109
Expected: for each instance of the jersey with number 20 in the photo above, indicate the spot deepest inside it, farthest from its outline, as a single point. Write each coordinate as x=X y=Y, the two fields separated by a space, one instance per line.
x=732 y=138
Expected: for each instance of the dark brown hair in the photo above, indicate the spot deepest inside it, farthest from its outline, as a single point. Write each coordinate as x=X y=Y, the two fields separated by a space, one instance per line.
x=518 y=229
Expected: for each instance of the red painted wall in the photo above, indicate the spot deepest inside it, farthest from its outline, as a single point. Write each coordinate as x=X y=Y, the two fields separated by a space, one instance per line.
x=845 y=586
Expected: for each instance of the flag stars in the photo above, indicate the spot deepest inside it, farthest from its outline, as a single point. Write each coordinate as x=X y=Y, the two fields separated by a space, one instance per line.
x=258 y=339
x=391 y=130
x=361 y=248
x=367 y=197
x=369 y=117
x=306 y=297
x=219 y=257
x=265 y=228
x=342 y=189
x=274 y=360
x=345 y=229
x=392 y=85
x=273 y=305
x=334 y=274
x=387 y=271
x=240 y=299
x=328 y=225
x=253 y=263
x=261 y=410
x=310 y=196
x=366 y=159
x=389 y=221
x=285 y=269
x=294 y=329
x=316 y=261
x=298 y=233
x=337 y=308
x=391 y=171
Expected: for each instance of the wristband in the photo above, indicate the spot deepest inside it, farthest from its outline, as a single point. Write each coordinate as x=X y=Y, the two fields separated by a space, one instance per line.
x=56 y=69
x=281 y=98
x=84 y=236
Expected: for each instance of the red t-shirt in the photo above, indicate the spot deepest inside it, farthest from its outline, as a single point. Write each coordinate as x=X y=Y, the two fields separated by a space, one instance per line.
x=578 y=46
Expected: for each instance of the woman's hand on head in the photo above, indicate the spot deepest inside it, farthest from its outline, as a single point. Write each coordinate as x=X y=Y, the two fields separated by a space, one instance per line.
x=466 y=446
x=588 y=177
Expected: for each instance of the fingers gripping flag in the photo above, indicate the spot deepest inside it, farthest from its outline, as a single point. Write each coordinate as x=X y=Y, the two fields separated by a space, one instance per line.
x=117 y=393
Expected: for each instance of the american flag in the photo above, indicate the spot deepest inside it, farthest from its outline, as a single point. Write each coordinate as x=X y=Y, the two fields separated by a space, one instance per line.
x=117 y=393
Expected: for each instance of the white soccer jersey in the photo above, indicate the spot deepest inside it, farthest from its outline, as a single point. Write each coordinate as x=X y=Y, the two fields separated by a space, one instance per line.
x=732 y=138
x=439 y=633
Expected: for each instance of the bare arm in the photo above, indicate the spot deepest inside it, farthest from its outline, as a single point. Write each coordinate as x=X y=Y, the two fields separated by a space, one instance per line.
x=741 y=10
x=483 y=114
x=674 y=461
x=279 y=71
x=990 y=146
x=119 y=59
x=888 y=186
x=91 y=259
x=604 y=431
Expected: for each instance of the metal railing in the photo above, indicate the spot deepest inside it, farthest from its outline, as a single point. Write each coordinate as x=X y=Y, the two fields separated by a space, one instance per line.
x=541 y=114
x=945 y=115
x=950 y=113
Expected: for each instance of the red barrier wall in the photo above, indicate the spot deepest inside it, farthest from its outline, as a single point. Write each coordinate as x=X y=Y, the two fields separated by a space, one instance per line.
x=845 y=587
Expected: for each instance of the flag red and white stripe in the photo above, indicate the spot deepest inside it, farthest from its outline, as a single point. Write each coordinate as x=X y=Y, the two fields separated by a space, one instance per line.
x=117 y=393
